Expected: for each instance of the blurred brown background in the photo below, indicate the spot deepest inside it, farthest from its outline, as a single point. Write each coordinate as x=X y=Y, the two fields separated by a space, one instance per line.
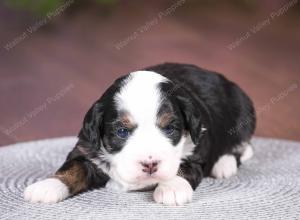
x=54 y=63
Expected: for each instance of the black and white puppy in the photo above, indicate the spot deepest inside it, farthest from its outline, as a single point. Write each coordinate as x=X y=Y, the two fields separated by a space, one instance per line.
x=167 y=127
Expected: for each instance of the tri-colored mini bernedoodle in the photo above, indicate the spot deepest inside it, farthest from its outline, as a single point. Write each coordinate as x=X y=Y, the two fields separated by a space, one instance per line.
x=165 y=127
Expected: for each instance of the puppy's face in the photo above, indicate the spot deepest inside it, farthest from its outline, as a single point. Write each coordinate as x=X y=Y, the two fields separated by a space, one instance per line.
x=142 y=131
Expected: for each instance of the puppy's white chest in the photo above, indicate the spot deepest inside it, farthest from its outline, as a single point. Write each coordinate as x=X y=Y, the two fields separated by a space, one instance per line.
x=117 y=186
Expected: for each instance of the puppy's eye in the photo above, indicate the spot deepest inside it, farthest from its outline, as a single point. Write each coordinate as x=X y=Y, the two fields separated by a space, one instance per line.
x=169 y=129
x=122 y=132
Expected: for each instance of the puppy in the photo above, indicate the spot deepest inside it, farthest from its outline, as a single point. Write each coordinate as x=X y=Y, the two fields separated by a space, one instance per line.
x=167 y=127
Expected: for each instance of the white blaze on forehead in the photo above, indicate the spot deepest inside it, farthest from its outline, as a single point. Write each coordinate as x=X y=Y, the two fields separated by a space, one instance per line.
x=140 y=96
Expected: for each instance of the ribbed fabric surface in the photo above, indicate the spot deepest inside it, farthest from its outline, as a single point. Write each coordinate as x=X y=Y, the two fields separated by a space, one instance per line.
x=266 y=187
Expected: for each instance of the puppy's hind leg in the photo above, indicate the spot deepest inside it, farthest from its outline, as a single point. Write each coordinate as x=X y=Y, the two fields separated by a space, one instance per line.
x=225 y=167
x=246 y=151
x=227 y=164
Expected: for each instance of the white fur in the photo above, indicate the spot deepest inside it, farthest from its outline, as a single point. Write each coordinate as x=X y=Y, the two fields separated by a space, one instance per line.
x=50 y=190
x=188 y=147
x=115 y=186
x=247 y=153
x=140 y=97
x=176 y=191
x=225 y=167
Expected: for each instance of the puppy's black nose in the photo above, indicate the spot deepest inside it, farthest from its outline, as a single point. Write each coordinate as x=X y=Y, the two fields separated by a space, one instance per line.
x=150 y=167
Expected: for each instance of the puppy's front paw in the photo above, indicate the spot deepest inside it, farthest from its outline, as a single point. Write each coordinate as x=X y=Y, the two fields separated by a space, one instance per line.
x=177 y=191
x=50 y=190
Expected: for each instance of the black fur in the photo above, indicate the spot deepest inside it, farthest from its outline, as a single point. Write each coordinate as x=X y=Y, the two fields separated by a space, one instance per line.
x=198 y=99
x=209 y=99
x=91 y=137
x=177 y=120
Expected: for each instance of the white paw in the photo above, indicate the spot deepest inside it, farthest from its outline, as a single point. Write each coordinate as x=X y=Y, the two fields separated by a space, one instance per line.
x=247 y=153
x=176 y=191
x=50 y=190
x=225 y=167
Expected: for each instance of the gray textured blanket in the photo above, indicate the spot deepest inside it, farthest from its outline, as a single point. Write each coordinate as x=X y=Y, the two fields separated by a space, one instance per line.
x=266 y=187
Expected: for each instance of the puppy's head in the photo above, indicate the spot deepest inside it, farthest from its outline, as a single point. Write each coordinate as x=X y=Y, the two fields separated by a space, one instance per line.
x=141 y=128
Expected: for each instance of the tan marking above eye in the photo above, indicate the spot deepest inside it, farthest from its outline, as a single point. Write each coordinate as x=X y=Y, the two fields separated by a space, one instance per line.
x=127 y=121
x=164 y=119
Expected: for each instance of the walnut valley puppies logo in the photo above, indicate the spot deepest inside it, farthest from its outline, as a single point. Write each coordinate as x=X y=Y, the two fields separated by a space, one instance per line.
x=265 y=108
x=37 y=25
x=262 y=24
x=36 y=111
x=149 y=24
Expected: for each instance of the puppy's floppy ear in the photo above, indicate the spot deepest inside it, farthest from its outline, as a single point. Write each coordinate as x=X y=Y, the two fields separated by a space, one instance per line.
x=90 y=131
x=194 y=113
x=93 y=120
